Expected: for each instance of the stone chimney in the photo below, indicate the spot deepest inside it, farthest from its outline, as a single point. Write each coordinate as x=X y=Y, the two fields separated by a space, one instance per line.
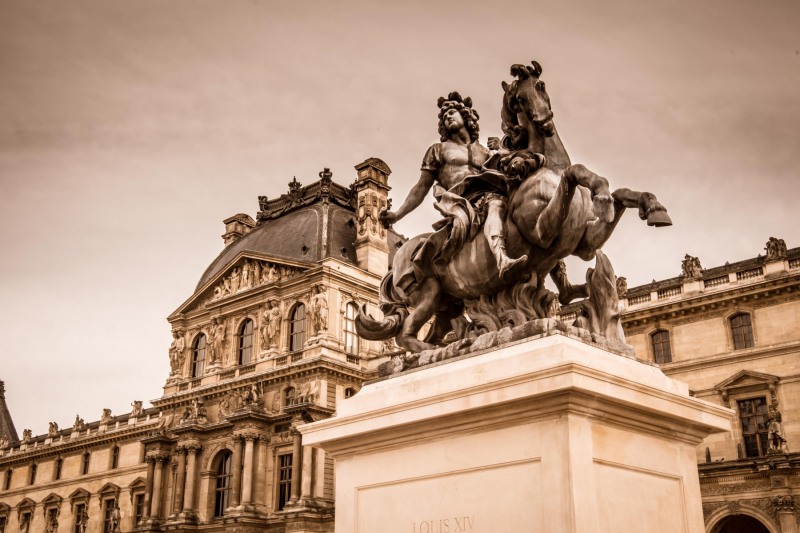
x=237 y=227
x=372 y=190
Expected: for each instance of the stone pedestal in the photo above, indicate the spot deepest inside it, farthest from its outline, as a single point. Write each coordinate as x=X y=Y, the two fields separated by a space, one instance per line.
x=543 y=435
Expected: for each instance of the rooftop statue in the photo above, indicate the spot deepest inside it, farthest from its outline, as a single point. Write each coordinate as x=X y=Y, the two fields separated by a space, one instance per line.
x=535 y=208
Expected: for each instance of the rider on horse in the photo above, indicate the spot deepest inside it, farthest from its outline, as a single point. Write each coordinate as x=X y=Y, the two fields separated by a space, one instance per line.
x=466 y=193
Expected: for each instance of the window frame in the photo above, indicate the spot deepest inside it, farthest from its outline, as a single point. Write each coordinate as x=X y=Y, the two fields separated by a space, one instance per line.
x=199 y=355
x=350 y=338
x=761 y=437
x=7 y=479
x=742 y=335
x=245 y=341
x=223 y=476
x=298 y=330
x=113 y=459
x=32 y=470
x=283 y=482
x=657 y=344
x=86 y=463
x=58 y=468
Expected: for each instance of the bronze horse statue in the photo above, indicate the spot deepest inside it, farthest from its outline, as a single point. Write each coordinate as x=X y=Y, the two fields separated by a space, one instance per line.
x=557 y=209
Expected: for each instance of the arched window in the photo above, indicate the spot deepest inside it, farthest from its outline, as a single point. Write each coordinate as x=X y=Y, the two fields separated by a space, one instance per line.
x=349 y=327
x=246 y=342
x=349 y=392
x=297 y=328
x=742 y=331
x=198 y=355
x=222 y=492
x=662 y=351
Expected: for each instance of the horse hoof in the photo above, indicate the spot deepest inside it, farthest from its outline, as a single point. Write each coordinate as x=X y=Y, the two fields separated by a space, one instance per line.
x=510 y=267
x=658 y=219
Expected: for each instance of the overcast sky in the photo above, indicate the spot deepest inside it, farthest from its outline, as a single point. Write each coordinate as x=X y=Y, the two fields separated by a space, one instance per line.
x=130 y=129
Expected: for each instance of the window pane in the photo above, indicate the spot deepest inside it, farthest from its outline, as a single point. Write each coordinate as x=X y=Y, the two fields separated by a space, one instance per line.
x=661 y=347
x=284 y=479
x=752 y=414
x=742 y=330
x=246 y=342
x=297 y=328
x=198 y=356
x=350 y=336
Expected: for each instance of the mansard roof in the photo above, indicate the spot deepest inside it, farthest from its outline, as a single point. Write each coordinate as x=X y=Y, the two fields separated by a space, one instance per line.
x=307 y=224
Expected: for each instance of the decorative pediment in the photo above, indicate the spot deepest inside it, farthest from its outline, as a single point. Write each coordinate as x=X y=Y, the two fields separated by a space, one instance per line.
x=78 y=496
x=5 y=509
x=246 y=272
x=53 y=500
x=136 y=484
x=109 y=490
x=26 y=505
x=747 y=381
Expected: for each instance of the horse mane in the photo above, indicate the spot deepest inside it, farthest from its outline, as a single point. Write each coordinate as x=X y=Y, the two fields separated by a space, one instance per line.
x=516 y=137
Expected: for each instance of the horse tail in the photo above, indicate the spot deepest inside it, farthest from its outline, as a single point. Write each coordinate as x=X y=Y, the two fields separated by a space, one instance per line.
x=394 y=314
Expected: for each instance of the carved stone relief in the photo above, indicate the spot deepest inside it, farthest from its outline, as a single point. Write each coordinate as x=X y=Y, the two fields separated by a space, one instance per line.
x=137 y=409
x=177 y=352
x=52 y=431
x=691 y=268
x=106 y=417
x=318 y=309
x=776 y=249
x=249 y=274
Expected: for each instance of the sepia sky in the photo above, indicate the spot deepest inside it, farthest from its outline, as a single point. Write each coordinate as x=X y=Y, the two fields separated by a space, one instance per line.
x=130 y=129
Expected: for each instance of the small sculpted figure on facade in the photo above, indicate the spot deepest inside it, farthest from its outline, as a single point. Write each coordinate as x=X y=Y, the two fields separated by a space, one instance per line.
x=137 y=410
x=271 y=326
x=247 y=281
x=253 y=395
x=83 y=521
x=235 y=280
x=690 y=268
x=318 y=309
x=776 y=249
x=257 y=273
x=775 y=435
x=177 y=352
x=25 y=523
x=106 y=416
x=113 y=523
x=4 y=441
x=52 y=431
x=622 y=286
x=216 y=340
x=79 y=424
x=27 y=435
x=52 y=523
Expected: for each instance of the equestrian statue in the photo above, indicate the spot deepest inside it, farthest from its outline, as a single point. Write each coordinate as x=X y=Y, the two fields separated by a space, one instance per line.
x=512 y=212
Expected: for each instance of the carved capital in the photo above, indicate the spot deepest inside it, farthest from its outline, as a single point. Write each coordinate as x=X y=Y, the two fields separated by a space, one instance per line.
x=251 y=437
x=782 y=504
x=193 y=449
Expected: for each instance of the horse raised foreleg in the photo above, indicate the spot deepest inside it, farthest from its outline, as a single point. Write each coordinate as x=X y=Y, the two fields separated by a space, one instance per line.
x=551 y=219
x=425 y=302
x=602 y=203
x=649 y=207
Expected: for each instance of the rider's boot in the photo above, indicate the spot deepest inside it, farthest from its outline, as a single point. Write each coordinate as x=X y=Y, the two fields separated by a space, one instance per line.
x=505 y=264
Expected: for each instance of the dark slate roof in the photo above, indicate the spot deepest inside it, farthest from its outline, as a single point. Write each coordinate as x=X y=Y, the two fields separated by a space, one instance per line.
x=297 y=235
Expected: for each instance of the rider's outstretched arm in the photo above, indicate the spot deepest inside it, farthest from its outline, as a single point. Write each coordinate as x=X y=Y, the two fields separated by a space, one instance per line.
x=415 y=197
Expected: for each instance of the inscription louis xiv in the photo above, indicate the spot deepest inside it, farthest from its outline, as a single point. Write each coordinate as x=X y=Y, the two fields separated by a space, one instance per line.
x=456 y=524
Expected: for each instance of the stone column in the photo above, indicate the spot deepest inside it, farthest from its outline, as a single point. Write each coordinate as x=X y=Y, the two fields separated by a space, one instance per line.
x=158 y=474
x=297 y=466
x=784 y=507
x=191 y=468
x=306 y=474
x=148 y=490
x=177 y=505
x=247 y=470
x=237 y=471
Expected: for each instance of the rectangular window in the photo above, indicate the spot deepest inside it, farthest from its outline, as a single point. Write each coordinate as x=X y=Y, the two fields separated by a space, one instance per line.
x=753 y=415
x=138 y=507
x=32 y=478
x=3 y=521
x=114 y=457
x=108 y=512
x=742 y=330
x=662 y=351
x=80 y=518
x=57 y=469
x=284 y=479
x=25 y=522
x=85 y=464
x=7 y=480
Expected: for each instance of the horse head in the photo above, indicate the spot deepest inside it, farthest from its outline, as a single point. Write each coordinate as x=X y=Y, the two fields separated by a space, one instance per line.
x=527 y=115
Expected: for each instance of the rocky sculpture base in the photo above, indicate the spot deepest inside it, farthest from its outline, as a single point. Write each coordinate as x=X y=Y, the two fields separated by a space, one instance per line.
x=549 y=434
x=533 y=329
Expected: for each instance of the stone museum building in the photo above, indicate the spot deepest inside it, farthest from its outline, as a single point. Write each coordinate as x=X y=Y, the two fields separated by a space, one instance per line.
x=267 y=342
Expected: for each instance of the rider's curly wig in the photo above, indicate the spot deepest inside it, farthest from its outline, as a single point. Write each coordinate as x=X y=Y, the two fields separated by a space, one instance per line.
x=464 y=106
